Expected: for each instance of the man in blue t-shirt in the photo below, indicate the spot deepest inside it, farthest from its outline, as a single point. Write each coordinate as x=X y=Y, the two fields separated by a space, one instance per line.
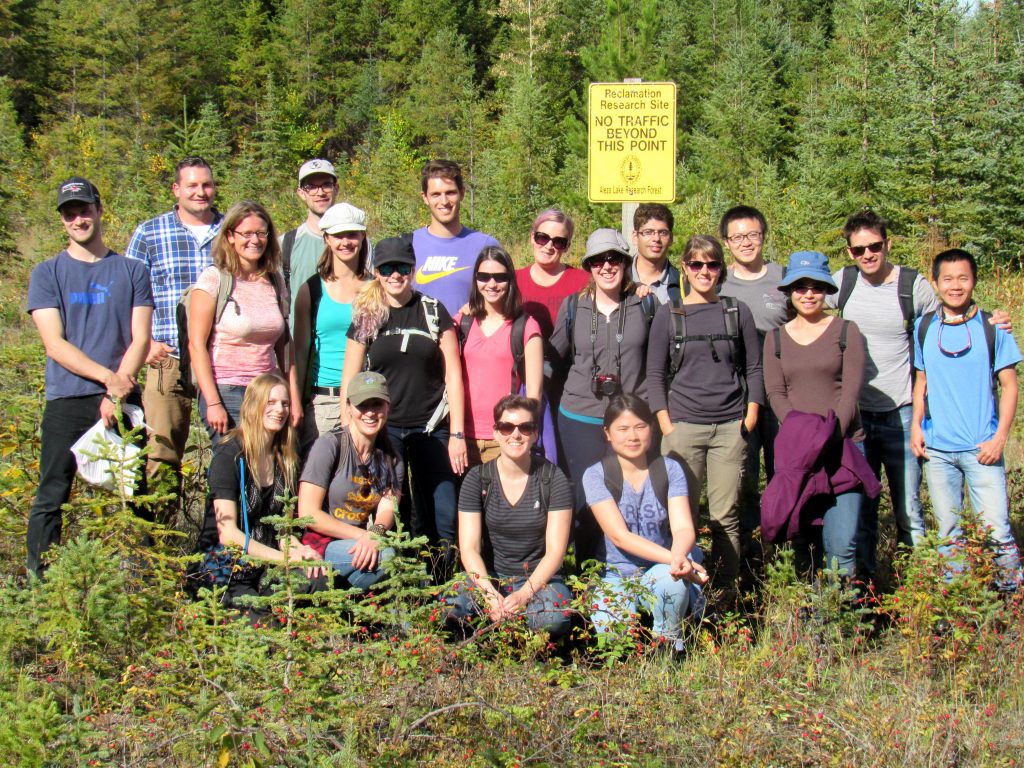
x=960 y=426
x=445 y=250
x=93 y=310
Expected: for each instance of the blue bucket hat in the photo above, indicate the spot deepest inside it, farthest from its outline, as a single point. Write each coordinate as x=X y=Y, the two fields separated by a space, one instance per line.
x=808 y=265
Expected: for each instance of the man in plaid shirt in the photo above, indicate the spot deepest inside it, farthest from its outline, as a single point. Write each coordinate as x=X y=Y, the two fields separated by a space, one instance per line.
x=176 y=246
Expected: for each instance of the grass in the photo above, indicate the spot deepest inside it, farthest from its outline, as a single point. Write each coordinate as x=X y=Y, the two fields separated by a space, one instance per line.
x=108 y=664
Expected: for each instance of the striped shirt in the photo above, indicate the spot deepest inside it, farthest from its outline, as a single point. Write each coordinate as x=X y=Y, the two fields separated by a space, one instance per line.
x=175 y=259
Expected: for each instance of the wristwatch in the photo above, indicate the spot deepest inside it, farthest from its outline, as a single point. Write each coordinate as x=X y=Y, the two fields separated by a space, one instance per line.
x=377 y=529
x=459 y=435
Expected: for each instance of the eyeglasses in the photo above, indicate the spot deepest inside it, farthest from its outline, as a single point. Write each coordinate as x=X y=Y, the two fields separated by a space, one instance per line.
x=613 y=259
x=373 y=404
x=506 y=428
x=649 y=233
x=323 y=186
x=499 y=277
x=959 y=320
x=259 y=234
x=387 y=270
x=858 y=250
x=697 y=266
x=558 y=243
x=746 y=237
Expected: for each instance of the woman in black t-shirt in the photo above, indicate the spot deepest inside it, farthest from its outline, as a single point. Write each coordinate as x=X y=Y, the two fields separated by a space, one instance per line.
x=515 y=513
x=251 y=469
x=410 y=339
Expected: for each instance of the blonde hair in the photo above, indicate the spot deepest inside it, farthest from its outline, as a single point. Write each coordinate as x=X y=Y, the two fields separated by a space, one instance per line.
x=370 y=310
x=256 y=441
x=223 y=252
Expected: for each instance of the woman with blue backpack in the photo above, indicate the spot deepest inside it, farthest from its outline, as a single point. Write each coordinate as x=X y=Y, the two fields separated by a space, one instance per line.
x=648 y=549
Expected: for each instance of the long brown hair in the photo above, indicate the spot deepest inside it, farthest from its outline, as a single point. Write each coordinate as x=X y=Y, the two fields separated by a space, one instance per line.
x=512 y=303
x=223 y=252
x=256 y=441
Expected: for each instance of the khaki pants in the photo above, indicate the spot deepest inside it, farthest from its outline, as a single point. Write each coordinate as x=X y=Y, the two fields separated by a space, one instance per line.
x=717 y=451
x=168 y=408
x=481 y=451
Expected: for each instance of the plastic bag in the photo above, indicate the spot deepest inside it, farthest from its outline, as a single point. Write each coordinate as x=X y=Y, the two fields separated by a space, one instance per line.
x=96 y=470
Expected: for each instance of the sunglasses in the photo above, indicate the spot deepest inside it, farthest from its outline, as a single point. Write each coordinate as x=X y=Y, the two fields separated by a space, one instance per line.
x=506 y=428
x=803 y=288
x=498 y=277
x=697 y=266
x=558 y=243
x=613 y=259
x=387 y=270
x=858 y=250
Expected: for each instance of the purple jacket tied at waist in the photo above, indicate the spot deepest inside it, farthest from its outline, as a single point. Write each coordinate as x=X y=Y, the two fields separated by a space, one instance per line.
x=809 y=467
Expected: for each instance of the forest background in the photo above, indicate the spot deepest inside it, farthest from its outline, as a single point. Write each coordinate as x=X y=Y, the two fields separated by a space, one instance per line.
x=808 y=109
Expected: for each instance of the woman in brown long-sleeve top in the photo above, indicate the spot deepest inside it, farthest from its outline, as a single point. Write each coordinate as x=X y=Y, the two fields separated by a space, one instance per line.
x=814 y=364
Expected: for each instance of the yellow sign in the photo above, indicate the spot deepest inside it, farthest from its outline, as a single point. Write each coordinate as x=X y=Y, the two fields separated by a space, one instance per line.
x=631 y=153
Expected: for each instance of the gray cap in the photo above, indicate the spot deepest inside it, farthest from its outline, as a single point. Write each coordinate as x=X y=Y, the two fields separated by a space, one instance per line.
x=343 y=217
x=368 y=385
x=605 y=241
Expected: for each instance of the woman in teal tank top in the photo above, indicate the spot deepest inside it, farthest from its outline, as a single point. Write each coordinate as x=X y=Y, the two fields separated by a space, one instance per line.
x=323 y=313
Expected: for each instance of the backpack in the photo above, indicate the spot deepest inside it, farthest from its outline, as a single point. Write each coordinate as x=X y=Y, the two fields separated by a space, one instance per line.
x=287 y=246
x=678 y=338
x=904 y=290
x=224 y=290
x=658 y=473
x=517 y=341
x=648 y=305
x=433 y=332
x=990 y=341
x=777 y=333
x=489 y=475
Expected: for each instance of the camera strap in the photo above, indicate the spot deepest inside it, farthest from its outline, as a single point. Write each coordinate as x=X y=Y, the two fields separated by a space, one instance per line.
x=618 y=337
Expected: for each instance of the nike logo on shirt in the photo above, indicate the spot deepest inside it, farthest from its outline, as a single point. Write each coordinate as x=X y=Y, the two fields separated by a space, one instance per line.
x=437 y=267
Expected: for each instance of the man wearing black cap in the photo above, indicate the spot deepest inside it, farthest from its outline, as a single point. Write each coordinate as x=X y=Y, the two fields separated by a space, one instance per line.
x=93 y=310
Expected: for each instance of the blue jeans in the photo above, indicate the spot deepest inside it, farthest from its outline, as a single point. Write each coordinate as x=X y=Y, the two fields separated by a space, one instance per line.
x=581 y=445
x=669 y=600
x=231 y=395
x=986 y=484
x=337 y=554
x=887 y=444
x=548 y=609
x=429 y=509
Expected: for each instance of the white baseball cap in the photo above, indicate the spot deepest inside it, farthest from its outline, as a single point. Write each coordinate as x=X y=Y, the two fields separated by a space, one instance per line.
x=343 y=217
x=316 y=166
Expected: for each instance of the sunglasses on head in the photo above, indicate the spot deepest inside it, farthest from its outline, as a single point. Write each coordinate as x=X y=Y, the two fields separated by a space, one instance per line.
x=858 y=250
x=498 y=277
x=387 y=270
x=612 y=258
x=697 y=266
x=558 y=243
x=506 y=428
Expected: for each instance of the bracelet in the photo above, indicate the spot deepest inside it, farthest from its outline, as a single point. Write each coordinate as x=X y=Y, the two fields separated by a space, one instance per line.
x=211 y=405
x=111 y=398
x=377 y=529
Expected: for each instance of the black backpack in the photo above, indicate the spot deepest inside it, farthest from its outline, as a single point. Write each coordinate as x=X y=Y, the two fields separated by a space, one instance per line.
x=658 y=473
x=777 y=333
x=489 y=475
x=904 y=289
x=517 y=340
x=990 y=340
x=287 y=246
x=678 y=338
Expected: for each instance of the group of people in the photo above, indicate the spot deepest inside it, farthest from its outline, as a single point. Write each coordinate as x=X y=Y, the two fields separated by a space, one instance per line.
x=510 y=414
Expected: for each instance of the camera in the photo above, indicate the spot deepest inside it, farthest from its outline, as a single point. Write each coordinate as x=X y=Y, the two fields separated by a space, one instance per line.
x=605 y=385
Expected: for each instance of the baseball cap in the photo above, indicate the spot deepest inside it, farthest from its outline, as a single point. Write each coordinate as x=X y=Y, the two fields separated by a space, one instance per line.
x=809 y=265
x=394 y=250
x=316 y=166
x=368 y=385
x=77 y=189
x=343 y=217
x=603 y=241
